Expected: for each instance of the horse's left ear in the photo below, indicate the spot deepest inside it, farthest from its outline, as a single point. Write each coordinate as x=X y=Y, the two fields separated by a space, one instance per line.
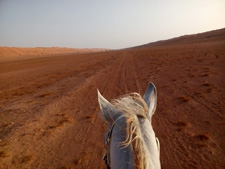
x=150 y=98
x=107 y=109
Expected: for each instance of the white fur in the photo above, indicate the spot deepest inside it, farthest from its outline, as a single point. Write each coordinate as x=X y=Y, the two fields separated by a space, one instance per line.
x=133 y=136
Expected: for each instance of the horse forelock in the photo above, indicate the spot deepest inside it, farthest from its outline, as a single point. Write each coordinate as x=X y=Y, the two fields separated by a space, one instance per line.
x=133 y=106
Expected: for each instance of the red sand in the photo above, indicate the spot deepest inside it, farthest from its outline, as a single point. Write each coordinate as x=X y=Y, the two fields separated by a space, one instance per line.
x=13 y=53
x=49 y=115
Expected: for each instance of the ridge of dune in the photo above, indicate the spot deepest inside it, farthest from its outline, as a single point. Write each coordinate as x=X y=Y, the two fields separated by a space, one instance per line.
x=20 y=52
x=198 y=38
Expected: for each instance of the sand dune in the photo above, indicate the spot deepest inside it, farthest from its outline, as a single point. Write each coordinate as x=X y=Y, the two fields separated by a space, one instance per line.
x=216 y=36
x=11 y=53
x=49 y=115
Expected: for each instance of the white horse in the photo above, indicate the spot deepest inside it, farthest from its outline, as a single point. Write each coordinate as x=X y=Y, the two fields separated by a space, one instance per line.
x=130 y=140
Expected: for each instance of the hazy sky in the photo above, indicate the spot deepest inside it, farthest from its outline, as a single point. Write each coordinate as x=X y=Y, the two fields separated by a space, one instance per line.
x=104 y=23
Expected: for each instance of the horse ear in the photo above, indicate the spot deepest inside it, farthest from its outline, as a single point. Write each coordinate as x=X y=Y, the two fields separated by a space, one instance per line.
x=150 y=98
x=107 y=109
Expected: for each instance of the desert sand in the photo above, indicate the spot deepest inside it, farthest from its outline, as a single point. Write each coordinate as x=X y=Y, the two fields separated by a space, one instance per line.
x=15 y=53
x=49 y=114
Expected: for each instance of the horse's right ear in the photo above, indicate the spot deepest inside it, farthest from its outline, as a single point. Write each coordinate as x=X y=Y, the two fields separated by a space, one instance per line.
x=107 y=109
x=150 y=98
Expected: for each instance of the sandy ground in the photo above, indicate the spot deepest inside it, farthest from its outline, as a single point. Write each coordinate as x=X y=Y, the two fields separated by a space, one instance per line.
x=49 y=115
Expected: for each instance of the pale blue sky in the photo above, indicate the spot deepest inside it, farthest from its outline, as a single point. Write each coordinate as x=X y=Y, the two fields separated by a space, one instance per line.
x=104 y=23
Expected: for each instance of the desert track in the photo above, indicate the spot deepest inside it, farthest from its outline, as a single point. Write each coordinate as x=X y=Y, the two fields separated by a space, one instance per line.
x=49 y=115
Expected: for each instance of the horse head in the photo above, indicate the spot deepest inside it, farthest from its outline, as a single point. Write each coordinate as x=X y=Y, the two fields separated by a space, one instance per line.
x=130 y=140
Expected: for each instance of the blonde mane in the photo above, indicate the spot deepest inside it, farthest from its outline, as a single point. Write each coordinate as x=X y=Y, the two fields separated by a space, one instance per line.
x=133 y=106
